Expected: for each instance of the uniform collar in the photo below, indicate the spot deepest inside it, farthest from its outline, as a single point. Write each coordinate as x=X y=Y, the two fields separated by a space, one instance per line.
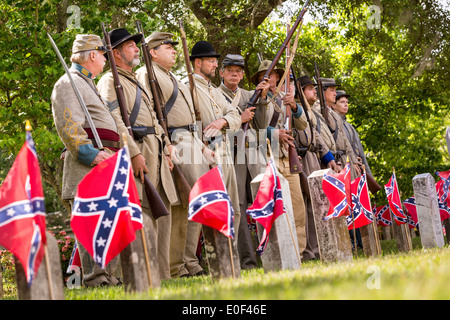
x=161 y=67
x=85 y=72
x=202 y=79
x=228 y=90
x=130 y=74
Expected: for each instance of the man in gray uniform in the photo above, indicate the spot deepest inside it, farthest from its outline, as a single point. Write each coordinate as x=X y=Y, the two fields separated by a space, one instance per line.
x=71 y=122
x=248 y=163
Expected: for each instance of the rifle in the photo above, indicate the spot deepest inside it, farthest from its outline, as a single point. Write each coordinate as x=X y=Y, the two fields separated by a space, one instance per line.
x=77 y=93
x=155 y=202
x=295 y=165
x=257 y=93
x=301 y=97
x=189 y=71
x=182 y=184
x=323 y=106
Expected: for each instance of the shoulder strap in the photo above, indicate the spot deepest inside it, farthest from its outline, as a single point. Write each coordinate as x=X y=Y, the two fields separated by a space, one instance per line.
x=136 y=107
x=173 y=97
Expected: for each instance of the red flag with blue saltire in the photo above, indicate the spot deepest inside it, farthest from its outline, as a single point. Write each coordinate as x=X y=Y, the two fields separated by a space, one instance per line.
x=22 y=210
x=107 y=212
x=442 y=195
x=361 y=207
x=75 y=260
x=210 y=204
x=443 y=188
x=383 y=216
x=411 y=212
x=395 y=204
x=268 y=204
x=337 y=189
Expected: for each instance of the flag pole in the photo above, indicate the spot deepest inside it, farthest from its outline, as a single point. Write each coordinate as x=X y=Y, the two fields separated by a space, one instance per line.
x=49 y=274
x=144 y=242
x=287 y=219
x=217 y=155
x=405 y=227
x=353 y=219
x=28 y=128
x=375 y=229
x=374 y=223
x=231 y=258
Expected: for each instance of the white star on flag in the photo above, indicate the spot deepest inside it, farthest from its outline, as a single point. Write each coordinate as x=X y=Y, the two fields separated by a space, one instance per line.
x=107 y=223
x=112 y=202
x=101 y=242
x=119 y=185
x=92 y=206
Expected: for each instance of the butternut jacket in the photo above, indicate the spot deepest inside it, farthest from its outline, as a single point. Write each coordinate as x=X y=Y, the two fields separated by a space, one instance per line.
x=151 y=147
x=181 y=116
x=70 y=122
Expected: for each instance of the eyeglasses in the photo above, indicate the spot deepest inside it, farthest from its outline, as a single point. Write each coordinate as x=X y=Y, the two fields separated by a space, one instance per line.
x=211 y=60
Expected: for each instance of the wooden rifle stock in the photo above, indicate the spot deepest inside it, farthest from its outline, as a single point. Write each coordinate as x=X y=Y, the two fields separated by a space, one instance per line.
x=272 y=66
x=156 y=204
x=182 y=184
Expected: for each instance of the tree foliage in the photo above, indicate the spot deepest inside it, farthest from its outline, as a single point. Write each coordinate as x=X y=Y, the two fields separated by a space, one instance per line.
x=397 y=72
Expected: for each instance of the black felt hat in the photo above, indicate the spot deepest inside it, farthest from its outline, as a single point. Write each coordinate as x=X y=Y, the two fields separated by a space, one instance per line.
x=306 y=81
x=120 y=35
x=203 y=49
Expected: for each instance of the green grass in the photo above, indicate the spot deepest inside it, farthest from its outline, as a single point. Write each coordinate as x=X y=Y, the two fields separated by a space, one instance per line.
x=420 y=274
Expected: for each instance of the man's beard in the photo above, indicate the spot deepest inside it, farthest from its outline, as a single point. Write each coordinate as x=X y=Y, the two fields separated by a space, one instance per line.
x=131 y=63
x=210 y=75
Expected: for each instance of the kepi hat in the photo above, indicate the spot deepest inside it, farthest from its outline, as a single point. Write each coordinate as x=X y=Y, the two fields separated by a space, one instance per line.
x=87 y=42
x=329 y=82
x=159 y=38
x=340 y=94
x=233 y=60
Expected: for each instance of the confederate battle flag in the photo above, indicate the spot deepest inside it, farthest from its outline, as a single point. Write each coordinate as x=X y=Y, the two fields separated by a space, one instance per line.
x=210 y=204
x=361 y=207
x=411 y=212
x=106 y=211
x=383 y=216
x=22 y=210
x=268 y=204
x=443 y=187
x=395 y=204
x=444 y=210
x=337 y=189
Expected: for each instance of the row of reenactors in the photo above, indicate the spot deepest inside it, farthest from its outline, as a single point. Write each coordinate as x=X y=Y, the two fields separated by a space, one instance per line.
x=321 y=143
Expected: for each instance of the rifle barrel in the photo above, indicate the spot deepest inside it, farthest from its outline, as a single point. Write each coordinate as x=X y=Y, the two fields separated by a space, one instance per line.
x=77 y=93
x=189 y=70
x=157 y=206
x=182 y=184
x=257 y=93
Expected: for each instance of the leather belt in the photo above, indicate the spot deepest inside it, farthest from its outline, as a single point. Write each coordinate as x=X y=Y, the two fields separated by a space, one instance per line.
x=189 y=127
x=107 y=143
